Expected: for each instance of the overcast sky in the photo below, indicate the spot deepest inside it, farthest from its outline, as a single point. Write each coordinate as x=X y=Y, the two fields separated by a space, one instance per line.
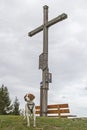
x=19 y=54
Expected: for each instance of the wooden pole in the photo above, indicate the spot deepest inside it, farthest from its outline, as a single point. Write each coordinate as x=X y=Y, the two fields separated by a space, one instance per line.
x=43 y=58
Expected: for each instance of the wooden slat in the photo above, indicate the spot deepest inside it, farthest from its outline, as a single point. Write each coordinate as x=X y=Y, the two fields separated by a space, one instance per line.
x=37 y=107
x=37 y=112
x=52 y=111
x=58 y=106
x=55 y=111
x=64 y=111
x=63 y=105
x=58 y=111
x=55 y=106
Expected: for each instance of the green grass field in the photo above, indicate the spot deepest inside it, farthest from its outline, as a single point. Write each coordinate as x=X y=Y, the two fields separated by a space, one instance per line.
x=43 y=123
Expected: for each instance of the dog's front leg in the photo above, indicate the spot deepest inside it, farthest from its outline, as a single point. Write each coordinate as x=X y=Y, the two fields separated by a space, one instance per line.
x=34 y=116
x=28 y=120
x=24 y=115
x=34 y=121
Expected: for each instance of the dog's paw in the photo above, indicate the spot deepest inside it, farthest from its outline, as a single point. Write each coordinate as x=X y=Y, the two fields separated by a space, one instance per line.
x=34 y=126
x=28 y=125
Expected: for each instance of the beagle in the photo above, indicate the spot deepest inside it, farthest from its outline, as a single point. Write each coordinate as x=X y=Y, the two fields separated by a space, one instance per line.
x=30 y=108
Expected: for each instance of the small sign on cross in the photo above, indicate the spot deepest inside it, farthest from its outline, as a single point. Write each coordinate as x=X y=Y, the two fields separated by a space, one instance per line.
x=43 y=61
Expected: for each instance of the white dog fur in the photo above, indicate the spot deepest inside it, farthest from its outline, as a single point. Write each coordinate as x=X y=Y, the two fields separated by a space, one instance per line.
x=30 y=108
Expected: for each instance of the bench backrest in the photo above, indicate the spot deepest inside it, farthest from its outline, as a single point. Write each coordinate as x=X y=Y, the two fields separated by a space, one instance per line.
x=55 y=110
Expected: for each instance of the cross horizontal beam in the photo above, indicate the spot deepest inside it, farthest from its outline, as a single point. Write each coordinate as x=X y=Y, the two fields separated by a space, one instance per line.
x=49 y=23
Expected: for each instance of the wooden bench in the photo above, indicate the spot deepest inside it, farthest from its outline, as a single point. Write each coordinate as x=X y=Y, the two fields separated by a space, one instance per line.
x=59 y=110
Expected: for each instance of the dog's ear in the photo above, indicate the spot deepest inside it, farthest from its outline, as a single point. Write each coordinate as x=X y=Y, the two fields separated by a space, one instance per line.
x=31 y=96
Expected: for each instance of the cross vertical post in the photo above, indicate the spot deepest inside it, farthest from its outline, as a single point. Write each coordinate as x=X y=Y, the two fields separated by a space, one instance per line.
x=43 y=58
x=45 y=84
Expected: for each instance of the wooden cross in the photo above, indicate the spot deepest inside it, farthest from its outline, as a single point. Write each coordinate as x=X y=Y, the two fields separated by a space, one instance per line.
x=43 y=58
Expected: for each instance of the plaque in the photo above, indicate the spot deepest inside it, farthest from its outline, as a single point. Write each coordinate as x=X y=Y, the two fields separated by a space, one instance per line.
x=43 y=61
x=48 y=77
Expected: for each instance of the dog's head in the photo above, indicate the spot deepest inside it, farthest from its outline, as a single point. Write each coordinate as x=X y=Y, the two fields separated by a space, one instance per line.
x=29 y=97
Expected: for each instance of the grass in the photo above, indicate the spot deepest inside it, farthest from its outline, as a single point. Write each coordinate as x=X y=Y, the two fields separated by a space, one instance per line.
x=43 y=123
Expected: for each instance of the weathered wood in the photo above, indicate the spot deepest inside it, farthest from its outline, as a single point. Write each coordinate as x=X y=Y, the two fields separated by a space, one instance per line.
x=37 y=30
x=57 y=19
x=38 y=112
x=37 y=107
x=57 y=111
x=50 y=23
x=58 y=105
x=60 y=109
x=43 y=59
x=55 y=106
